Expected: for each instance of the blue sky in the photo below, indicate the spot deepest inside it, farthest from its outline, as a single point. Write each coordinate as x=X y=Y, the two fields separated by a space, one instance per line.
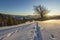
x=17 y=7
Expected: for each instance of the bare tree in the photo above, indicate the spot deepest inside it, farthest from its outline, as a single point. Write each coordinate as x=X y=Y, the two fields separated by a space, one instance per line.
x=41 y=10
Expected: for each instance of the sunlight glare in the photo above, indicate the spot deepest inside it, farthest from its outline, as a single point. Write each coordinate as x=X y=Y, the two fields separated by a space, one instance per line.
x=50 y=21
x=50 y=14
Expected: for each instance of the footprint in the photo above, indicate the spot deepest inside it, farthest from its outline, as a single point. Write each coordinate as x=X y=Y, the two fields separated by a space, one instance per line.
x=52 y=37
x=33 y=28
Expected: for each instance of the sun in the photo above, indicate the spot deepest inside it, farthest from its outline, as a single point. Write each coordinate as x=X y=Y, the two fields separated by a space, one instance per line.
x=50 y=14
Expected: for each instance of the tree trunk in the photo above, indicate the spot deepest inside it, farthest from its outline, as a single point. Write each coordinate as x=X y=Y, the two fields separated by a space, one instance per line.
x=41 y=16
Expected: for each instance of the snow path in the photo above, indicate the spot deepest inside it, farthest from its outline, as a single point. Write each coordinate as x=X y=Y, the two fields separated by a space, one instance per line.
x=11 y=30
x=24 y=32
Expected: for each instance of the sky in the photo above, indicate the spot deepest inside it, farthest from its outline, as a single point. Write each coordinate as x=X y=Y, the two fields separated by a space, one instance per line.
x=18 y=7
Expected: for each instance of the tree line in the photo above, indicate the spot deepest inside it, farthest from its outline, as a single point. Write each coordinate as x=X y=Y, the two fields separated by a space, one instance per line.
x=7 y=20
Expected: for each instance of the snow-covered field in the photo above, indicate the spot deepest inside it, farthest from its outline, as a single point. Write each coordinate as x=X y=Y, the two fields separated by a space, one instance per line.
x=45 y=30
x=50 y=29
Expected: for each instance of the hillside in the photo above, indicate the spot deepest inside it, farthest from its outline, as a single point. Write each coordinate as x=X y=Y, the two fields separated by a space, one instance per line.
x=8 y=20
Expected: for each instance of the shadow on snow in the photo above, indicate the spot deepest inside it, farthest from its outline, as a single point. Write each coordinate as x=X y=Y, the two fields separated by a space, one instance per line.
x=38 y=33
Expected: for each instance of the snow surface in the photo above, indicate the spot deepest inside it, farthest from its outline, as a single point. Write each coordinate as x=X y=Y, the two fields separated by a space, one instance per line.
x=50 y=29
x=45 y=30
x=22 y=32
